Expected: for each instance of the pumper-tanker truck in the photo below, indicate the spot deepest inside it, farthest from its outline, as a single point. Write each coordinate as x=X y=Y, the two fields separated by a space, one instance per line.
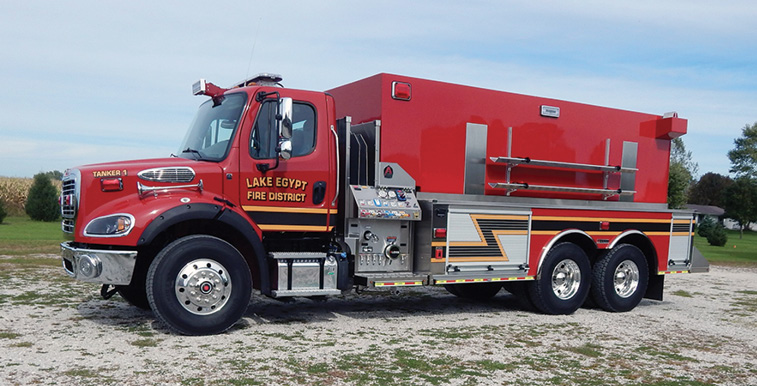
x=389 y=181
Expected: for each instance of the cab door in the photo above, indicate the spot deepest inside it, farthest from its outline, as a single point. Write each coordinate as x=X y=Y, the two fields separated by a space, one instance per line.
x=291 y=195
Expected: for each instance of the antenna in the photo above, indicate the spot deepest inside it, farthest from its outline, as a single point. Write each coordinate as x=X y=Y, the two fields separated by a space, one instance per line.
x=254 y=42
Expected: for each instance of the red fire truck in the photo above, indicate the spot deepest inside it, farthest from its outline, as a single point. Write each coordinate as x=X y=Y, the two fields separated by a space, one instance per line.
x=386 y=182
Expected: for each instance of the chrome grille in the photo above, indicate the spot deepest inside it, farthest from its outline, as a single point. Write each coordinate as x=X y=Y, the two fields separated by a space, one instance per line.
x=173 y=174
x=68 y=225
x=69 y=200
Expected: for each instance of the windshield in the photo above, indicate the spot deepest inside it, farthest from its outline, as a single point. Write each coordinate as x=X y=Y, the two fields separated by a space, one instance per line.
x=212 y=130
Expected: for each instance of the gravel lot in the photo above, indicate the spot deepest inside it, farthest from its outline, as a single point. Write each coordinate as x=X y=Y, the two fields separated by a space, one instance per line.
x=54 y=330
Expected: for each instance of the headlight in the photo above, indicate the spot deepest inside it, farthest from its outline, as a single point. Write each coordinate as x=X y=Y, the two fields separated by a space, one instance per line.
x=115 y=225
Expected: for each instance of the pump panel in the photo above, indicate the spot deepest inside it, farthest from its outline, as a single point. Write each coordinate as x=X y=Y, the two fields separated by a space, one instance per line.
x=386 y=203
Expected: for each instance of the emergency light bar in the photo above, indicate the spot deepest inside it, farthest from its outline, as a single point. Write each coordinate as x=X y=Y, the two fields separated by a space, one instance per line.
x=262 y=79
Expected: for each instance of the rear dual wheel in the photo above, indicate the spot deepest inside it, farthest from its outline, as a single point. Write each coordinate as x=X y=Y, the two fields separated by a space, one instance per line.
x=564 y=282
x=199 y=285
x=620 y=279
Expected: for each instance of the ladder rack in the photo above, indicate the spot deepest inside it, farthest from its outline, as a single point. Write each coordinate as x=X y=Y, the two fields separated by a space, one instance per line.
x=606 y=170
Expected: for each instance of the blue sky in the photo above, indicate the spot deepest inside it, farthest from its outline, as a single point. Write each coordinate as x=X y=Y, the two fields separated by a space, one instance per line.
x=98 y=81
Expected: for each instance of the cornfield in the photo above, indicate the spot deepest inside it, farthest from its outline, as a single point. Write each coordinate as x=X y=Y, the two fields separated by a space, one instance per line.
x=13 y=192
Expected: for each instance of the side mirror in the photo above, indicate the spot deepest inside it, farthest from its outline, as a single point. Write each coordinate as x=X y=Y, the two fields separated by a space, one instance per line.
x=285 y=149
x=285 y=122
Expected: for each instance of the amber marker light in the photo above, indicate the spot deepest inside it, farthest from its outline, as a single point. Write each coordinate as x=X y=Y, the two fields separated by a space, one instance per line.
x=111 y=184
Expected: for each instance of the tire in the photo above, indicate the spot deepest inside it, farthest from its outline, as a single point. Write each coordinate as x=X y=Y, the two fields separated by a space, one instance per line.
x=564 y=282
x=453 y=289
x=199 y=285
x=620 y=279
x=135 y=293
x=477 y=291
x=520 y=290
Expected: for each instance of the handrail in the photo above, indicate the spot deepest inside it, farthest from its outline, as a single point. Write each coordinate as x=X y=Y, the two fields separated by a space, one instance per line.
x=511 y=187
x=515 y=161
x=336 y=143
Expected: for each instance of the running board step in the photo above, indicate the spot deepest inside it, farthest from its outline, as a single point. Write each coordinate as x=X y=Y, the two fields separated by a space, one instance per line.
x=305 y=293
x=391 y=280
x=461 y=279
x=304 y=274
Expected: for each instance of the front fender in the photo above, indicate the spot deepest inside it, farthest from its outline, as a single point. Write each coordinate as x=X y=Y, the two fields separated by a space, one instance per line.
x=244 y=235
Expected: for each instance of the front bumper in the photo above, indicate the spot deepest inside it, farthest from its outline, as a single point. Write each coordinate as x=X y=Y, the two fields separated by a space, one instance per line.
x=98 y=266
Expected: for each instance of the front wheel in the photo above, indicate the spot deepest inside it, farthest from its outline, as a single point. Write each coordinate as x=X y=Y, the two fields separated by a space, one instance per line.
x=620 y=279
x=135 y=294
x=564 y=282
x=199 y=285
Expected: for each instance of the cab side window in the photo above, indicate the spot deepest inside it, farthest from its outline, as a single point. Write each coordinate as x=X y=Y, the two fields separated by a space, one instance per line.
x=265 y=138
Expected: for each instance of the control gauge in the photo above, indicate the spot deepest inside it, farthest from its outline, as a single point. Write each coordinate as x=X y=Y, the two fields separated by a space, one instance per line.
x=392 y=194
x=382 y=193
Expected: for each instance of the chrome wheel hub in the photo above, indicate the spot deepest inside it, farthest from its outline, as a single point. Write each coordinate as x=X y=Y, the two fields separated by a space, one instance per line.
x=203 y=286
x=626 y=278
x=566 y=279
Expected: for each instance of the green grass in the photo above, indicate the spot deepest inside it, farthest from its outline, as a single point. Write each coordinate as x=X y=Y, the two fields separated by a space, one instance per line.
x=22 y=236
x=735 y=252
x=8 y=335
x=588 y=349
x=682 y=293
x=147 y=342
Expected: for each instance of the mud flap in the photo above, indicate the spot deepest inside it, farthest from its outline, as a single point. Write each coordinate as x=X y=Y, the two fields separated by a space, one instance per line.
x=655 y=286
x=698 y=263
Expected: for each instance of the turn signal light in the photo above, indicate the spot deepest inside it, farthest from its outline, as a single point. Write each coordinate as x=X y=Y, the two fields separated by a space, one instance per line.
x=115 y=225
x=440 y=233
x=111 y=184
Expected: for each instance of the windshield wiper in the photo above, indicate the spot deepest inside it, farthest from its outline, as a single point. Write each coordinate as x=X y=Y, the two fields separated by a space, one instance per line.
x=193 y=151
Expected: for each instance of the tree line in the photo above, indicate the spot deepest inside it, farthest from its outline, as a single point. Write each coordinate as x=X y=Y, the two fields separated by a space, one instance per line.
x=737 y=195
x=42 y=199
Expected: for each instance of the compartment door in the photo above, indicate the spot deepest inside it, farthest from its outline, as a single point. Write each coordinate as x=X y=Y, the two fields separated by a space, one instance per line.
x=679 y=256
x=487 y=240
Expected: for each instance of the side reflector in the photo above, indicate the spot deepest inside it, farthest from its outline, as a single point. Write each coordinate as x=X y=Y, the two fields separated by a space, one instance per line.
x=401 y=91
x=604 y=226
x=111 y=184
x=438 y=253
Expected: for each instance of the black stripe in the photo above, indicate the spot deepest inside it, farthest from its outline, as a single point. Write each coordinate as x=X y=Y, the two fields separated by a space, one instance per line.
x=681 y=228
x=271 y=218
x=474 y=252
x=493 y=224
x=487 y=227
x=591 y=226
